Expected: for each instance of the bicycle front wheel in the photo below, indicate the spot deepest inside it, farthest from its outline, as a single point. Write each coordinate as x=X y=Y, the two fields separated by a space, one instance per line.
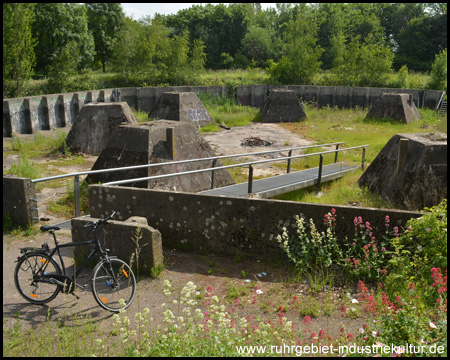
x=32 y=278
x=113 y=285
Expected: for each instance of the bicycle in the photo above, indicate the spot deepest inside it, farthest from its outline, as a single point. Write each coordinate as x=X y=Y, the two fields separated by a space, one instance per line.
x=39 y=278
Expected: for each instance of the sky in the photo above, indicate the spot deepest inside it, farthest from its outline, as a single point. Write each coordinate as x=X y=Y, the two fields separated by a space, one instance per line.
x=137 y=10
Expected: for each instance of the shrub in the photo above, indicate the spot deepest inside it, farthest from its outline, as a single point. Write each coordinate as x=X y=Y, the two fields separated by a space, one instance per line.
x=439 y=72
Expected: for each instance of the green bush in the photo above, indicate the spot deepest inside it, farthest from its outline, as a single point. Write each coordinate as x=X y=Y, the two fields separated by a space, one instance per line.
x=422 y=246
x=439 y=72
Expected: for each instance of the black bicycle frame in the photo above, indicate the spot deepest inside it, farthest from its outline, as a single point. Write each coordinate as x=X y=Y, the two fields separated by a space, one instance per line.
x=97 y=248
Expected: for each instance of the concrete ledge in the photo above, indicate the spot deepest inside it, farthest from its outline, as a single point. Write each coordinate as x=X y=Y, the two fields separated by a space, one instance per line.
x=228 y=224
x=118 y=238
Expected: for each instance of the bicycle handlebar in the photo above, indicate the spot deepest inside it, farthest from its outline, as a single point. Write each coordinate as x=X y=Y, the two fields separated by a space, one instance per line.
x=100 y=222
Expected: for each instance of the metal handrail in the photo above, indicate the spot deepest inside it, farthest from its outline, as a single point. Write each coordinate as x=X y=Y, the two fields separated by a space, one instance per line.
x=440 y=101
x=175 y=162
x=213 y=169
x=127 y=181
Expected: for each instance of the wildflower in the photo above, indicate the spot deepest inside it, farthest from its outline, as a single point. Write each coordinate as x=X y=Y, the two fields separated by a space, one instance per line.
x=307 y=320
x=432 y=325
x=349 y=337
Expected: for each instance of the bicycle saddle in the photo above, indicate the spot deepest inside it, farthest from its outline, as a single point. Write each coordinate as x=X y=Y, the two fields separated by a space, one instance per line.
x=49 y=227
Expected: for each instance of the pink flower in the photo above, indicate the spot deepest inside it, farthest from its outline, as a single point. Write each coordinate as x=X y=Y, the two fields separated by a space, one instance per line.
x=307 y=320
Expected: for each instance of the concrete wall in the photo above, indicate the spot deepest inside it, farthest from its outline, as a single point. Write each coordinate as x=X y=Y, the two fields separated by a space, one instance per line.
x=37 y=113
x=119 y=237
x=340 y=96
x=30 y=114
x=227 y=224
x=16 y=200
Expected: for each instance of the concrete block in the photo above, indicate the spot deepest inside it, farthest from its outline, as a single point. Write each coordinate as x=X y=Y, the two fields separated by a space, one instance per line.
x=95 y=124
x=119 y=237
x=399 y=107
x=410 y=171
x=17 y=200
x=181 y=106
x=282 y=106
x=148 y=143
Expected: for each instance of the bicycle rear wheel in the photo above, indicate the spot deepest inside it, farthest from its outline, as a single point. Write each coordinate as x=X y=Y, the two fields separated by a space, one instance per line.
x=31 y=277
x=112 y=282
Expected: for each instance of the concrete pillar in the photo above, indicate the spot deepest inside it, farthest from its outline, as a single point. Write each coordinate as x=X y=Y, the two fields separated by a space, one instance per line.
x=19 y=201
x=7 y=128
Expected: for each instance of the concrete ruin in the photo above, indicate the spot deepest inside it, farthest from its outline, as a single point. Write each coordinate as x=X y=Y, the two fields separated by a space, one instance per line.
x=95 y=124
x=159 y=141
x=410 y=171
x=181 y=106
x=399 y=107
x=282 y=106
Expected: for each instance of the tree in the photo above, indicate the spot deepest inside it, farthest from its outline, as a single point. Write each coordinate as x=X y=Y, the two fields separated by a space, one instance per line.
x=439 y=72
x=198 y=56
x=257 y=44
x=69 y=23
x=420 y=40
x=105 y=21
x=301 y=61
x=18 y=44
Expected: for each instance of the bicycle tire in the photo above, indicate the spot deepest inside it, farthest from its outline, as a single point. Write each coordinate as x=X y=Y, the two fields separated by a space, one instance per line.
x=28 y=278
x=108 y=293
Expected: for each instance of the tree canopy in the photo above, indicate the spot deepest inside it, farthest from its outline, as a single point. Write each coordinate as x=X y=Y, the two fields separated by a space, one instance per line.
x=355 y=43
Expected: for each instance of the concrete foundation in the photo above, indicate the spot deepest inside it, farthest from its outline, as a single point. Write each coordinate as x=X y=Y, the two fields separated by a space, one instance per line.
x=282 y=106
x=94 y=125
x=158 y=142
x=17 y=201
x=228 y=225
x=410 y=171
x=399 y=107
x=181 y=106
x=120 y=239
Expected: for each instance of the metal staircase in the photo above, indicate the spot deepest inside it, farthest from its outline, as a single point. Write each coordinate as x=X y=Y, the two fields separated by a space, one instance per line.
x=442 y=105
x=443 y=108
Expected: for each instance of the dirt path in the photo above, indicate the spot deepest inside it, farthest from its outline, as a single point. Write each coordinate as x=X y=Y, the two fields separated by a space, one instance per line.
x=228 y=142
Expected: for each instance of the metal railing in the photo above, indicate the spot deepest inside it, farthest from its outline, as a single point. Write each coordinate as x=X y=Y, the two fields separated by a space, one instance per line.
x=250 y=165
x=214 y=159
x=440 y=101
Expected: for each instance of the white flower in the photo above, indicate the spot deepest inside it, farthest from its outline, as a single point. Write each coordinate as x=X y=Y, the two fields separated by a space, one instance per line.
x=354 y=301
x=259 y=292
x=432 y=325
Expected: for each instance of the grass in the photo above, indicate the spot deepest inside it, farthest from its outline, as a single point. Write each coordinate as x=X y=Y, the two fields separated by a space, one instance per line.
x=95 y=80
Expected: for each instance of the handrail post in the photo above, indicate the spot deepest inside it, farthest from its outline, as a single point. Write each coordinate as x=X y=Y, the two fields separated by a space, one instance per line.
x=336 y=154
x=363 y=158
x=250 y=179
x=213 y=174
x=76 y=189
x=319 y=180
x=289 y=162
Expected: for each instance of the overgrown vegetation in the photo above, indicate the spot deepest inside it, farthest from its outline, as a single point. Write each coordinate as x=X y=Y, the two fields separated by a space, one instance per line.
x=402 y=296
x=352 y=44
